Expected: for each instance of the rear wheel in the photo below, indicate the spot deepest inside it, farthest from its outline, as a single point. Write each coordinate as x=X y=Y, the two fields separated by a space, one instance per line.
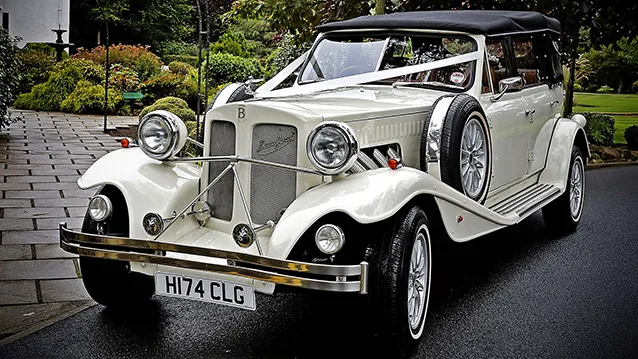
x=562 y=216
x=401 y=272
x=110 y=282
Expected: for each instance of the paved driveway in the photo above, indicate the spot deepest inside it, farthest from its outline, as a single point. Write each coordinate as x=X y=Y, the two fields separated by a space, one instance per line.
x=41 y=158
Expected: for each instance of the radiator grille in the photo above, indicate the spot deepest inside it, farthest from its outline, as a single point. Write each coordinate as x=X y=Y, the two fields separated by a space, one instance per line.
x=272 y=189
x=222 y=143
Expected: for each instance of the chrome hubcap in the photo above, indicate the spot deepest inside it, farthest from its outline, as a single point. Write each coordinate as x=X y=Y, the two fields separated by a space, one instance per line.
x=473 y=158
x=418 y=280
x=576 y=188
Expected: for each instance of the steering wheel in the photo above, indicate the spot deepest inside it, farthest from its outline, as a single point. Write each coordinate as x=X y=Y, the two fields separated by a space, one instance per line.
x=352 y=70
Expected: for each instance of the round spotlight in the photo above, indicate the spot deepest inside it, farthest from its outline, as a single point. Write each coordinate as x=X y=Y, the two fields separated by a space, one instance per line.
x=329 y=239
x=153 y=223
x=100 y=208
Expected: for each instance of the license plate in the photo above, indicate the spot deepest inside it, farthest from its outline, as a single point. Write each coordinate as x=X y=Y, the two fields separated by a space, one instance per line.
x=205 y=290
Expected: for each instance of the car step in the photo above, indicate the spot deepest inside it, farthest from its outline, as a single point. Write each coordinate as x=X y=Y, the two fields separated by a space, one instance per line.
x=526 y=200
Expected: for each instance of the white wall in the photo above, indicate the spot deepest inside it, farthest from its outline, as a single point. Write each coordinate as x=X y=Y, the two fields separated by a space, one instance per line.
x=33 y=20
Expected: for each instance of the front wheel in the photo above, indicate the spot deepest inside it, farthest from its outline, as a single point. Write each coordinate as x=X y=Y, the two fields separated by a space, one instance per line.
x=562 y=216
x=401 y=268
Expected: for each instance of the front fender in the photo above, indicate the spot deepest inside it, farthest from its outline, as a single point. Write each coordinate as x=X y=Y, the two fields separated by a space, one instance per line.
x=375 y=195
x=147 y=185
x=569 y=132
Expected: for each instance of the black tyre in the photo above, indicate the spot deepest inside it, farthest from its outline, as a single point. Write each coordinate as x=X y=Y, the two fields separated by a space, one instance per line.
x=400 y=273
x=563 y=214
x=110 y=282
x=241 y=93
x=465 y=148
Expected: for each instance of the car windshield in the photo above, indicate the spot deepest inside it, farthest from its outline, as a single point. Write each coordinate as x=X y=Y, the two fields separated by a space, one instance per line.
x=338 y=55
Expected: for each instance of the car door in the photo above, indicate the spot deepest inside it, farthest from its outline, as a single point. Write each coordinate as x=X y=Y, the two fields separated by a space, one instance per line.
x=509 y=124
x=529 y=53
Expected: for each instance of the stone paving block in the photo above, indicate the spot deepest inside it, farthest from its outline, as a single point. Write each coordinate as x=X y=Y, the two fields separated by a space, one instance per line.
x=33 y=194
x=61 y=202
x=18 y=292
x=37 y=269
x=63 y=290
x=30 y=179
x=69 y=178
x=27 y=167
x=54 y=223
x=51 y=251
x=30 y=237
x=23 y=186
x=53 y=171
x=79 y=193
x=20 y=317
x=77 y=212
x=9 y=203
x=30 y=212
x=15 y=224
x=15 y=252
x=12 y=172
x=53 y=186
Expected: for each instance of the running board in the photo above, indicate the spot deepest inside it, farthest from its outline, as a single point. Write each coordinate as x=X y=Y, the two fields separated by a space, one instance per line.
x=527 y=201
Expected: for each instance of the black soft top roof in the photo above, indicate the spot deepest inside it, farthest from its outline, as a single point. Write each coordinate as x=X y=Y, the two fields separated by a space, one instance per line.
x=487 y=22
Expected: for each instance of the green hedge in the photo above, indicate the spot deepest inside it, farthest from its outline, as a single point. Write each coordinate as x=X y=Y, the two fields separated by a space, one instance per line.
x=224 y=68
x=89 y=98
x=189 y=59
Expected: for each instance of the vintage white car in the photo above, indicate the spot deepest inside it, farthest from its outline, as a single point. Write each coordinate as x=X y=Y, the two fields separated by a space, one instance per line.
x=396 y=127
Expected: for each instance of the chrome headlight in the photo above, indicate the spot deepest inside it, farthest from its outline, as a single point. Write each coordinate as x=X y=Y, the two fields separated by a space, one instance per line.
x=161 y=134
x=100 y=208
x=332 y=147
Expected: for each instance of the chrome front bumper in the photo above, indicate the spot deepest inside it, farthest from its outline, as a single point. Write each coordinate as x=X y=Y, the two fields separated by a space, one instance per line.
x=331 y=278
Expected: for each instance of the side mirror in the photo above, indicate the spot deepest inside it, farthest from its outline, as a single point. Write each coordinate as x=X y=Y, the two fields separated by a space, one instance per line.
x=510 y=84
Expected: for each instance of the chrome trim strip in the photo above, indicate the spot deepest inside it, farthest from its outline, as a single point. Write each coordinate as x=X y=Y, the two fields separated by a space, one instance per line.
x=435 y=129
x=84 y=245
x=243 y=159
x=196 y=143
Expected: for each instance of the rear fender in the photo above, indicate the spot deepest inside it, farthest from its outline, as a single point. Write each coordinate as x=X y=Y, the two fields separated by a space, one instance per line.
x=147 y=185
x=569 y=132
x=375 y=195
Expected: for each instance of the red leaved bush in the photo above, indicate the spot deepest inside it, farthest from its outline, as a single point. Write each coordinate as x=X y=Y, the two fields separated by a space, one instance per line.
x=136 y=57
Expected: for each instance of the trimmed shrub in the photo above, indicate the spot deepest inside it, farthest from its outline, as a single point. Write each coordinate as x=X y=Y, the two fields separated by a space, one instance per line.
x=600 y=129
x=89 y=98
x=167 y=48
x=62 y=81
x=605 y=89
x=43 y=48
x=171 y=104
x=173 y=85
x=578 y=88
x=631 y=136
x=229 y=68
x=189 y=59
x=9 y=75
x=124 y=78
x=136 y=57
x=180 y=68
x=36 y=68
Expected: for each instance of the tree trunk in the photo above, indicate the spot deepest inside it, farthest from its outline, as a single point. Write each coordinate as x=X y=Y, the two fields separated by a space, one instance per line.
x=569 y=92
x=380 y=7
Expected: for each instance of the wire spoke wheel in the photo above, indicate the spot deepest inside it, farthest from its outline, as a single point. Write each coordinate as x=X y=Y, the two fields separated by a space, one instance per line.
x=417 y=280
x=473 y=158
x=576 y=188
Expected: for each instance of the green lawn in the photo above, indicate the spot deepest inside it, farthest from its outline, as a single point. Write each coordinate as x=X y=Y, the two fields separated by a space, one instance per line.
x=610 y=103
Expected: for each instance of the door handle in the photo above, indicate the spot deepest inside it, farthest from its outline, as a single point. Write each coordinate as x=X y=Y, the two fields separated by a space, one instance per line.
x=530 y=112
x=554 y=103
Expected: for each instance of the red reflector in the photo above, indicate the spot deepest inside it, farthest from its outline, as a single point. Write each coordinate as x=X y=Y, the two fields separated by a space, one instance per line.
x=393 y=164
x=124 y=142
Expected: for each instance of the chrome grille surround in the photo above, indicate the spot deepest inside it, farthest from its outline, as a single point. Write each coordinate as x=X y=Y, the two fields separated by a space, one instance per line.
x=272 y=189
x=222 y=143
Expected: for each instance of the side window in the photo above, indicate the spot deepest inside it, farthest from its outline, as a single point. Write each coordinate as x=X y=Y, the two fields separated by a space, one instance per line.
x=553 y=70
x=497 y=58
x=485 y=81
x=526 y=59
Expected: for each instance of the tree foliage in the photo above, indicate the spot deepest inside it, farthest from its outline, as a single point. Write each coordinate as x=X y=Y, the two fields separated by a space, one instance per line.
x=9 y=75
